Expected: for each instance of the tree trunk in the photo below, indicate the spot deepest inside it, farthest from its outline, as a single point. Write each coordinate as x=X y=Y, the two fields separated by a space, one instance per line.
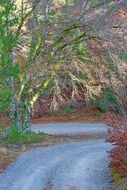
x=15 y=114
x=15 y=110
x=26 y=117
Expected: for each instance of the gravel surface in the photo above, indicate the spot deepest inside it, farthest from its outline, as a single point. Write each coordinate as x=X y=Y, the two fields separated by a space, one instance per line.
x=69 y=166
x=70 y=128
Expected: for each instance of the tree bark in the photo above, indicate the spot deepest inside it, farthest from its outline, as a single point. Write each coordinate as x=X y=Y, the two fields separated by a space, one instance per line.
x=15 y=112
x=27 y=118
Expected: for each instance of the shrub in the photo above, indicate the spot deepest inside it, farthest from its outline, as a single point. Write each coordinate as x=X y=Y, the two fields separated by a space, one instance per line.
x=117 y=134
x=68 y=109
x=108 y=100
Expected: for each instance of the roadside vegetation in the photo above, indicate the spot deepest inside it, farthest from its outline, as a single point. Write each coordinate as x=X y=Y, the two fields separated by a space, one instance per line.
x=13 y=136
x=59 y=55
x=50 y=50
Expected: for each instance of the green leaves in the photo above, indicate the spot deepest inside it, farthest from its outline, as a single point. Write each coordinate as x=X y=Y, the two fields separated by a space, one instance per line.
x=8 y=71
x=107 y=100
x=5 y=98
x=96 y=3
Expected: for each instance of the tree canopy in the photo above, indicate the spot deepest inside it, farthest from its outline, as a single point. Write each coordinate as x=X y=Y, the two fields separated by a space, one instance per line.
x=52 y=47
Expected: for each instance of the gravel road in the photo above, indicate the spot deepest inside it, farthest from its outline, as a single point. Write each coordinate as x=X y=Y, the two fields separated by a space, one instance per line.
x=70 y=128
x=69 y=166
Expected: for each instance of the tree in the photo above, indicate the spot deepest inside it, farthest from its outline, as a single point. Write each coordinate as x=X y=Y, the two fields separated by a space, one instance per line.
x=8 y=39
x=51 y=41
x=12 y=19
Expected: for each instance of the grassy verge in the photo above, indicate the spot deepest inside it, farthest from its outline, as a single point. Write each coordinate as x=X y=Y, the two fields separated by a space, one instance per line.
x=12 y=143
x=13 y=136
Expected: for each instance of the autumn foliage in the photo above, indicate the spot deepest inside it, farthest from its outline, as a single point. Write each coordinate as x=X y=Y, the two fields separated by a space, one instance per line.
x=117 y=134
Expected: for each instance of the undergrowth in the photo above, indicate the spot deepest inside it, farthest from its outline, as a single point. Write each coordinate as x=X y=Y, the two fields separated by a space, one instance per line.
x=107 y=101
x=117 y=134
x=12 y=136
x=68 y=109
x=117 y=178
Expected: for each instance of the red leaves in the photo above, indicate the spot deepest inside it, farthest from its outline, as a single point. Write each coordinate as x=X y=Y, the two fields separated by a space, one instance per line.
x=117 y=134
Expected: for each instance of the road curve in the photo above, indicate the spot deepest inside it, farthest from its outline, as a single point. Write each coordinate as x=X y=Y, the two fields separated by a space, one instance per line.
x=69 y=166
x=70 y=128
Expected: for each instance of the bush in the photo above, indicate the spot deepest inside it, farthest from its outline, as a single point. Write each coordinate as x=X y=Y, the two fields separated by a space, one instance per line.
x=68 y=109
x=117 y=135
x=108 y=100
